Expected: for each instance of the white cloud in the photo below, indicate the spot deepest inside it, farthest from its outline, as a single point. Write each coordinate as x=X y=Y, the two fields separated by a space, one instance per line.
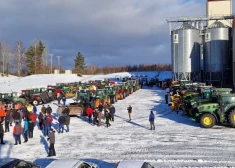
x=119 y=29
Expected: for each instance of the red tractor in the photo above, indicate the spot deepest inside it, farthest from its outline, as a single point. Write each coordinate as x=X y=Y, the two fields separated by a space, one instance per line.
x=31 y=97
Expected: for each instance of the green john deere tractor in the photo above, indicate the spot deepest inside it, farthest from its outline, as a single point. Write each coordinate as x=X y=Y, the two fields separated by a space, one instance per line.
x=112 y=93
x=214 y=113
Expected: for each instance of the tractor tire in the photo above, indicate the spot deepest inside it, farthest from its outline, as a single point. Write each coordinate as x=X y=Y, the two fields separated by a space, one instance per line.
x=207 y=121
x=232 y=118
x=35 y=102
x=124 y=95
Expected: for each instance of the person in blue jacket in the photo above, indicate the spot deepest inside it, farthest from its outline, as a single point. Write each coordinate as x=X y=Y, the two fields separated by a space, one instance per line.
x=151 y=120
x=25 y=129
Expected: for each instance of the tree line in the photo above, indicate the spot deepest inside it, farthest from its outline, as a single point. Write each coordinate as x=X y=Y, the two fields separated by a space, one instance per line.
x=18 y=61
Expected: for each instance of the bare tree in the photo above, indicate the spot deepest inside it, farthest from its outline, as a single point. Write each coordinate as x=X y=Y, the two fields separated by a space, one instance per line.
x=19 y=56
x=3 y=53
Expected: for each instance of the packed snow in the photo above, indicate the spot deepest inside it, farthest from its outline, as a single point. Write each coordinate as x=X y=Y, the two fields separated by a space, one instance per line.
x=176 y=142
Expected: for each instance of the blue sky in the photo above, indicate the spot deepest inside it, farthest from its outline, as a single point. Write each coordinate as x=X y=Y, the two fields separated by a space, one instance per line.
x=117 y=32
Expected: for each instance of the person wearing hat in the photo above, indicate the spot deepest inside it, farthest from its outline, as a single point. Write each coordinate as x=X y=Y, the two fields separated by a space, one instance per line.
x=51 y=139
x=151 y=120
x=66 y=111
x=1 y=133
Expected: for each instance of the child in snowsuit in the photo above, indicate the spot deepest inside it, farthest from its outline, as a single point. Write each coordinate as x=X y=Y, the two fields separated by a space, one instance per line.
x=17 y=130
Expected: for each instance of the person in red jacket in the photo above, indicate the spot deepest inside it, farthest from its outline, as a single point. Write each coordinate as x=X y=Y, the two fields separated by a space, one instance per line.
x=33 y=117
x=17 y=130
x=89 y=112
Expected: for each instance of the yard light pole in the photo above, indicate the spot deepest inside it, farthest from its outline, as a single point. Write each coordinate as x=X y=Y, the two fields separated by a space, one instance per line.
x=58 y=62
x=51 y=61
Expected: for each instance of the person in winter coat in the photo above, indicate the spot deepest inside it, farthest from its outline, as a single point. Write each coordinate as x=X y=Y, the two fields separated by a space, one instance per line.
x=51 y=139
x=35 y=109
x=40 y=120
x=166 y=98
x=48 y=109
x=43 y=109
x=95 y=116
x=50 y=119
x=58 y=96
x=33 y=117
x=30 y=108
x=2 y=114
x=59 y=111
x=46 y=123
x=106 y=106
x=17 y=130
x=129 y=109
x=100 y=109
x=31 y=128
x=25 y=129
x=107 y=118
x=61 y=121
x=7 y=120
x=151 y=120
x=67 y=122
x=11 y=117
x=1 y=133
x=112 y=112
x=16 y=115
x=89 y=112
x=64 y=100
x=66 y=111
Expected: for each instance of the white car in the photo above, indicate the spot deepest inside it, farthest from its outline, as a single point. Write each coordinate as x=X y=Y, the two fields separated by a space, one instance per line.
x=71 y=163
x=133 y=164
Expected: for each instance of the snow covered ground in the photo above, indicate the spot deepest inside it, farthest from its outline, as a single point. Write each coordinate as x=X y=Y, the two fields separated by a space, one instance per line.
x=176 y=142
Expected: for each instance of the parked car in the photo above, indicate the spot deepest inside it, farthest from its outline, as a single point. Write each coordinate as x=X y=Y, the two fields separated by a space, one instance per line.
x=71 y=163
x=133 y=164
x=17 y=163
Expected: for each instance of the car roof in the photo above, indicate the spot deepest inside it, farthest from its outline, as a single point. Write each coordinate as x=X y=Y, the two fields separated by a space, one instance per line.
x=62 y=163
x=130 y=164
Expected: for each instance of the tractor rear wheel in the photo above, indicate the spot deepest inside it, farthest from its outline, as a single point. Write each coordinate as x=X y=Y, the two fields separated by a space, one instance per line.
x=232 y=118
x=207 y=120
x=36 y=102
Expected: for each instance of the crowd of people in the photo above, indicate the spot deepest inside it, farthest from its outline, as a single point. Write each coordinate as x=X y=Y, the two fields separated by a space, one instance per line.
x=27 y=116
x=24 y=119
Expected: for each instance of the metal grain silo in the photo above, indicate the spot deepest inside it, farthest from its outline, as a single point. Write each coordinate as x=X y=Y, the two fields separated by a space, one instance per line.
x=216 y=52
x=185 y=52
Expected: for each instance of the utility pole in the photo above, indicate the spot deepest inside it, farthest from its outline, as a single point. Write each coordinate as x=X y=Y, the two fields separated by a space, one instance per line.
x=51 y=61
x=58 y=62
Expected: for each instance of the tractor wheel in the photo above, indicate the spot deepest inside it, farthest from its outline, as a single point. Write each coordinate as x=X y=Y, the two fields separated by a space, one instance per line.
x=124 y=95
x=232 y=118
x=36 y=102
x=207 y=120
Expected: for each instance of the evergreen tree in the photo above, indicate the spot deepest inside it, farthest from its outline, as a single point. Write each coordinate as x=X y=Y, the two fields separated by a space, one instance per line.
x=79 y=63
x=34 y=58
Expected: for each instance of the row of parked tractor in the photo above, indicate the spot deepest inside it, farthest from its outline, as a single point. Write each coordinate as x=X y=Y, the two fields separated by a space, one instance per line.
x=207 y=105
x=84 y=94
